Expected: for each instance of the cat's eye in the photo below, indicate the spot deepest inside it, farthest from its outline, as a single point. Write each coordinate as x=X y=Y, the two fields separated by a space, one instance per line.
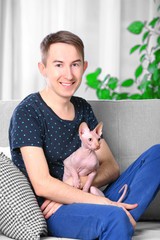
x=99 y=139
x=89 y=139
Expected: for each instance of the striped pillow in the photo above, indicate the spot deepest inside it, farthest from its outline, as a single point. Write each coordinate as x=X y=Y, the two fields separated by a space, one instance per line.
x=20 y=215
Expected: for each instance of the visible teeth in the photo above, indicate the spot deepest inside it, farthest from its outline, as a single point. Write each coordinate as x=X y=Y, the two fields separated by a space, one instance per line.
x=67 y=84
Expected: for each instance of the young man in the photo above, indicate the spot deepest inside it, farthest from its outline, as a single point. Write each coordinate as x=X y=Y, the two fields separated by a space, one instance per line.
x=44 y=131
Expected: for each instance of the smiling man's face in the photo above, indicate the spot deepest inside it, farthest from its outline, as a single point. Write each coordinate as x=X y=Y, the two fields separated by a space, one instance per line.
x=64 y=69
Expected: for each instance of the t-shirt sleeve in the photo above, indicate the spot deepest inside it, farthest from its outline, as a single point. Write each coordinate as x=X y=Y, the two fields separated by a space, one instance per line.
x=25 y=129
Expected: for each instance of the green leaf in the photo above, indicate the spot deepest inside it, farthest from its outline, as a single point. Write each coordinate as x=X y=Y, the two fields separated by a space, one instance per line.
x=158 y=7
x=145 y=35
x=144 y=83
x=156 y=77
x=95 y=84
x=157 y=56
x=152 y=67
x=142 y=58
x=153 y=22
x=148 y=93
x=92 y=79
x=136 y=27
x=134 y=48
x=127 y=83
x=103 y=93
x=158 y=40
x=94 y=75
x=143 y=47
x=135 y=96
x=112 y=83
x=114 y=95
x=138 y=71
x=122 y=96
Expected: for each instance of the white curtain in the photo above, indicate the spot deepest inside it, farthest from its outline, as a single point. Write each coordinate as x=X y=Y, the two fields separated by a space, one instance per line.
x=100 y=23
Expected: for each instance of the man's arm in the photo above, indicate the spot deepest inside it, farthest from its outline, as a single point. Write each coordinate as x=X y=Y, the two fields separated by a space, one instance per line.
x=108 y=170
x=49 y=187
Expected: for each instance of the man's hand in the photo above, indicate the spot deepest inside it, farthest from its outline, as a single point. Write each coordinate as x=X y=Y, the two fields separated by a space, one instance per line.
x=49 y=207
x=126 y=207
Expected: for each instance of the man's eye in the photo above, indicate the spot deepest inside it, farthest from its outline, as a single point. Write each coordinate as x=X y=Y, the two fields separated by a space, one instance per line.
x=59 y=65
x=90 y=139
x=99 y=139
x=75 y=64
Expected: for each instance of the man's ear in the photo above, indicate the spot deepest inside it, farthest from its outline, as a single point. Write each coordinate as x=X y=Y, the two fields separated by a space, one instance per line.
x=42 y=69
x=85 y=66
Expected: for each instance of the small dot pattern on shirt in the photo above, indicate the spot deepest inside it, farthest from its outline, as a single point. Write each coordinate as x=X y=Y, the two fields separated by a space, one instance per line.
x=35 y=124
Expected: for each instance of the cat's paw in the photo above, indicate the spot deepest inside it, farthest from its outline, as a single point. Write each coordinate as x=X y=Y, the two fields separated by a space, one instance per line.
x=77 y=183
x=86 y=189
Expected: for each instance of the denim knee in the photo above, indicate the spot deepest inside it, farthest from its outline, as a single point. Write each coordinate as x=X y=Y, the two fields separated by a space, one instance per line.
x=155 y=147
x=152 y=153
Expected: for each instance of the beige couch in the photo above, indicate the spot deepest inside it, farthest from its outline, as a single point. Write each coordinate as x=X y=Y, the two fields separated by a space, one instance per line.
x=130 y=127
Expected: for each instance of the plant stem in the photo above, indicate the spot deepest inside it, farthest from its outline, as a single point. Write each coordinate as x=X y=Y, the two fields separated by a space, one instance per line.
x=153 y=31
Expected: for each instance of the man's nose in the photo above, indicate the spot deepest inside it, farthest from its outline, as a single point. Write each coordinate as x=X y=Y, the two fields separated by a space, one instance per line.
x=68 y=73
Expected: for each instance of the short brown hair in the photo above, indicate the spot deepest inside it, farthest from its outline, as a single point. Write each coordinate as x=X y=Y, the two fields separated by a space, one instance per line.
x=60 y=37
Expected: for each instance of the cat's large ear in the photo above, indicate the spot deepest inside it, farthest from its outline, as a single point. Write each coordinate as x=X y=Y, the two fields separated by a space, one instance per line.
x=98 y=129
x=83 y=128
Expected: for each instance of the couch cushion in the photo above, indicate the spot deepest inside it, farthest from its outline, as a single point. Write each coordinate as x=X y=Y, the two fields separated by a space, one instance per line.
x=20 y=215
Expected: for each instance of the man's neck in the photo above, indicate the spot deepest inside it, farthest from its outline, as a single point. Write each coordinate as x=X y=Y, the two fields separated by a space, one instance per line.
x=60 y=105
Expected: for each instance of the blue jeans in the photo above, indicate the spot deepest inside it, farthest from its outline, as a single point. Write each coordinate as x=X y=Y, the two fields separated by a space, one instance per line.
x=91 y=221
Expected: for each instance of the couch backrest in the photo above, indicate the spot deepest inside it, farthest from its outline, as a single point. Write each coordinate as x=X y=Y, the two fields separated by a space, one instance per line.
x=130 y=127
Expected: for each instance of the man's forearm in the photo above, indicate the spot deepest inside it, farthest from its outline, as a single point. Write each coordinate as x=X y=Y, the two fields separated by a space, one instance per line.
x=107 y=173
x=57 y=191
x=108 y=170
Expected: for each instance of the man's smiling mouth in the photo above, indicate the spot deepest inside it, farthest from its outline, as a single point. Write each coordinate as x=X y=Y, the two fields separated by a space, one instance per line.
x=67 y=84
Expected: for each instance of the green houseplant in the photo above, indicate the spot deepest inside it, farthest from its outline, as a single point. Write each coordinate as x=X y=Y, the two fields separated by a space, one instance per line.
x=147 y=73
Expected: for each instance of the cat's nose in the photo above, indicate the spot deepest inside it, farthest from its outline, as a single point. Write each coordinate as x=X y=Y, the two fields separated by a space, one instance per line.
x=97 y=145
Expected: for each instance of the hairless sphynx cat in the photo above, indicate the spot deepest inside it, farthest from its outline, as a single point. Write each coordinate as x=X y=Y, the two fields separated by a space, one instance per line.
x=84 y=162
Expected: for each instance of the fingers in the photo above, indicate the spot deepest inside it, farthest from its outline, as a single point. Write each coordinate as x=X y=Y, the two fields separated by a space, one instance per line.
x=130 y=206
x=126 y=206
x=45 y=204
x=49 y=207
x=133 y=222
x=53 y=208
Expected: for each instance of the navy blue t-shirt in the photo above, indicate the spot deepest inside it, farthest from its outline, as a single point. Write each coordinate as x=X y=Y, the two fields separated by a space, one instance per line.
x=34 y=123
